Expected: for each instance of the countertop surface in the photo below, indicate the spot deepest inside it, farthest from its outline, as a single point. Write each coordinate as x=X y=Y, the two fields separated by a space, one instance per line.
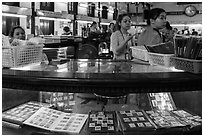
x=103 y=73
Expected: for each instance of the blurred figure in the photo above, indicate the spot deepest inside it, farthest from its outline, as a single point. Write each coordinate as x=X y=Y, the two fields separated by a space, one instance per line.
x=175 y=31
x=186 y=32
x=94 y=31
x=38 y=31
x=111 y=28
x=182 y=31
x=194 y=32
x=167 y=33
x=67 y=31
x=199 y=32
x=94 y=28
x=17 y=32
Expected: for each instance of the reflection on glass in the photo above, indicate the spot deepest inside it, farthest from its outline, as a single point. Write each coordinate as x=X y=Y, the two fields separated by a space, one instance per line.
x=123 y=67
x=100 y=66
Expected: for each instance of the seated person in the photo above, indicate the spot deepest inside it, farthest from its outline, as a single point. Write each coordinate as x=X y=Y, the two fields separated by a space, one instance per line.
x=67 y=31
x=94 y=31
x=110 y=30
x=17 y=32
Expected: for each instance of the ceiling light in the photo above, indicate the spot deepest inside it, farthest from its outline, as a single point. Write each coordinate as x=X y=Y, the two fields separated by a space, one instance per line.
x=58 y=19
x=13 y=15
x=82 y=21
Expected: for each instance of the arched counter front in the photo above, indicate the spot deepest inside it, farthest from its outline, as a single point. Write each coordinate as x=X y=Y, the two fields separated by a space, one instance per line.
x=101 y=76
x=111 y=78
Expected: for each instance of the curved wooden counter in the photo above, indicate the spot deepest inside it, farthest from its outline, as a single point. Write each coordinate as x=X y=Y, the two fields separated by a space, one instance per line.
x=101 y=76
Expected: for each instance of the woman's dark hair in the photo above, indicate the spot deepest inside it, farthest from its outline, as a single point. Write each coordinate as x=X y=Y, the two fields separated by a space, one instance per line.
x=11 y=32
x=119 y=19
x=93 y=23
x=168 y=26
x=153 y=14
x=66 y=29
x=111 y=24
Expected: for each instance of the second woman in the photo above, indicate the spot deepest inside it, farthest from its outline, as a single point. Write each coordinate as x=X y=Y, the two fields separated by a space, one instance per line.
x=121 y=40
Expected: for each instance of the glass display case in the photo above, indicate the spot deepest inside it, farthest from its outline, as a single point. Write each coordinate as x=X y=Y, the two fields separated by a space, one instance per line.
x=100 y=88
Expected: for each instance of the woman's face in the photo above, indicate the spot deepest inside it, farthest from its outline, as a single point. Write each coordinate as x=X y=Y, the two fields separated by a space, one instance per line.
x=126 y=23
x=19 y=34
x=160 y=21
x=112 y=26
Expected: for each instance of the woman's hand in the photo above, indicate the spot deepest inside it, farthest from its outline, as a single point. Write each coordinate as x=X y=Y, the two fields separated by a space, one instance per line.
x=131 y=36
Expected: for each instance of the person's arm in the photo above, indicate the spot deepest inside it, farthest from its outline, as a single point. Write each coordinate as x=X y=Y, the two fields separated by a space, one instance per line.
x=133 y=41
x=113 y=42
x=116 y=45
x=121 y=46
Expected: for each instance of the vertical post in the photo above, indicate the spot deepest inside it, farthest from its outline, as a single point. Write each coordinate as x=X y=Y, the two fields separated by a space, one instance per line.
x=148 y=6
x=99 y=13
x=33 y=18
x=75 y=20
x=136 y=5
x=128 y=7
x=115 y=11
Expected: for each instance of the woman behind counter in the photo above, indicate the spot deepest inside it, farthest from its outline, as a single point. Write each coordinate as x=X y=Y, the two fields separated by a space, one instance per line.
x=151 y=35
x=121 y=40
x=17 y=32
x=156 y=22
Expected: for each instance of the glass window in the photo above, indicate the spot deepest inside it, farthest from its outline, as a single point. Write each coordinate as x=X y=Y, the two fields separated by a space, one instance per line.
x=9 y=22
x=47 y=27
x=11 y=3
x=104 y=12
x=70 y=7
x=49 y=6
x=91 y=10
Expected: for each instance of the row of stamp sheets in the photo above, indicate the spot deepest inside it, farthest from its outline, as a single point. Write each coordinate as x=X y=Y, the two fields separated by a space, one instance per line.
x=133 y=120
